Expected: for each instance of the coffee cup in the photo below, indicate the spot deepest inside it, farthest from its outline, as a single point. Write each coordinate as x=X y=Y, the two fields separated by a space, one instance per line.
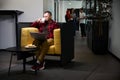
x=43 y=20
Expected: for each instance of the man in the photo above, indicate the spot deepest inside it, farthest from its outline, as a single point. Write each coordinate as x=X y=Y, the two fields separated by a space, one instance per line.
x=82 y=22
x=45 y=25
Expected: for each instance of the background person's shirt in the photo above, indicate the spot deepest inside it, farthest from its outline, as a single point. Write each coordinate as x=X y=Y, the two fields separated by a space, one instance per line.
x=82 y=15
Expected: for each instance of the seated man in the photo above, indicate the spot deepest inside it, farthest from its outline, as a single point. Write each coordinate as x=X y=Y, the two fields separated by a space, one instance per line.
x=45 y=25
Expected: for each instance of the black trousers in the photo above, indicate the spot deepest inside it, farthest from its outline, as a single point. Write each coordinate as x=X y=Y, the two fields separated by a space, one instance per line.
x=83 y=29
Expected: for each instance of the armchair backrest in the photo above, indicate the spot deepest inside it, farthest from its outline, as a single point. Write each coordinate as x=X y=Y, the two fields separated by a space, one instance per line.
x=25 y=35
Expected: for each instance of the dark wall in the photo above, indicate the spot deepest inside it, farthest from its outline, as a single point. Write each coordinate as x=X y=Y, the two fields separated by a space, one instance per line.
x=97 y=36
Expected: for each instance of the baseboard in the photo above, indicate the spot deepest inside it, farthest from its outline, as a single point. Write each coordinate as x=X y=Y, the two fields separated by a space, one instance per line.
x=114 y=56
x=2 y=50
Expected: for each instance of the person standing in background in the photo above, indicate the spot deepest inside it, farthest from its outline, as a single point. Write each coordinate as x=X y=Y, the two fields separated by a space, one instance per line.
x=74 y=20
x=67 y=15
x=82 y=17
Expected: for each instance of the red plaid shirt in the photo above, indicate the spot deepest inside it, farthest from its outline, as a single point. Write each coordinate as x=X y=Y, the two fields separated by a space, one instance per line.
x=51 y=26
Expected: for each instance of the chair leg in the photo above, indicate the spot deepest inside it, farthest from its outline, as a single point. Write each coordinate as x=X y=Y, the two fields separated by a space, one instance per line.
x=10 y=63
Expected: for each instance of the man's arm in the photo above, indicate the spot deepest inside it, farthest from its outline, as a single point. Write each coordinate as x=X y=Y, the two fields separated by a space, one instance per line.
x=36 y=23
x=56 y=25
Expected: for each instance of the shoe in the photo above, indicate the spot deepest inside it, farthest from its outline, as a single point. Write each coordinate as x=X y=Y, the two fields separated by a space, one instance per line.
x=38 y=66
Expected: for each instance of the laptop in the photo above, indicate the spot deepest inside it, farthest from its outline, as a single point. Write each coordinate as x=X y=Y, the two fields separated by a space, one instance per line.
x=39 y=36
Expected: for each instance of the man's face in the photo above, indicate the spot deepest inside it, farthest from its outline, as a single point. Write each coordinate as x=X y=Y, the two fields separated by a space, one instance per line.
x=81 y=11
x=47 y=16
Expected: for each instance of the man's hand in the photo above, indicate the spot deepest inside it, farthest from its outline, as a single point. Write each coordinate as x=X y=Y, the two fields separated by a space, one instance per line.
x=41 y=20
x=38 y=20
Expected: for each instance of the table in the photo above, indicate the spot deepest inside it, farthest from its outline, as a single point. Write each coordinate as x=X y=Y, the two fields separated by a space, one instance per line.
x=22 y=53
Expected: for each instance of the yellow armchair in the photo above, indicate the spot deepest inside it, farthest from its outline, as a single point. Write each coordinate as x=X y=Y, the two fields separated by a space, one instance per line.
x=26 y=39
x=63 y=40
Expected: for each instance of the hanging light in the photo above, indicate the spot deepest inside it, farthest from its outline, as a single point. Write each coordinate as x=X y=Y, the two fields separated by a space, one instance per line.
x=69 y=2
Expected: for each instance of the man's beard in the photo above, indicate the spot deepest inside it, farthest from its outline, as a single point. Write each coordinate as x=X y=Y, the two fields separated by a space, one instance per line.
x=46 y=22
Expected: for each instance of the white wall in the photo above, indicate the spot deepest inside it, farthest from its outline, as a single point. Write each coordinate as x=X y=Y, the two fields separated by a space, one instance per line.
x=48 y=5
x=114 y=32
x=33 y=9
x=63 y=5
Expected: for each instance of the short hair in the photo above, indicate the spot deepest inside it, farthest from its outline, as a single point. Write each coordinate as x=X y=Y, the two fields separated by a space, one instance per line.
x=81 y=8
x=48 y=12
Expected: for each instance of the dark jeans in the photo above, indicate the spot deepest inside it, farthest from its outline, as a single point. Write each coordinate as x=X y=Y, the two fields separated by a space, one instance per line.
x=83 y=31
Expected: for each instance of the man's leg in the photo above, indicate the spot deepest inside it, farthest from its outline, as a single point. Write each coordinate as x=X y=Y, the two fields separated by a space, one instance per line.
x=37 y=43
x=81 y=26
x=40 y=54
x=84 y=30
x=44 y=49
x=37 y=65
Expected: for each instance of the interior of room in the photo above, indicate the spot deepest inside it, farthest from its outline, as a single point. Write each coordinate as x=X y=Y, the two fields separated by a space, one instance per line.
x=94 y=57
